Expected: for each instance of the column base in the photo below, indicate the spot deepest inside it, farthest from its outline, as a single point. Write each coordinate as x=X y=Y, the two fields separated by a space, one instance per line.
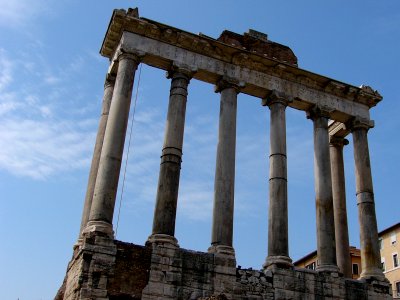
x=280 y=261
x=327 y=268
x=99 y=226
x=375 y=274
x=164 y=239
x=223 y=250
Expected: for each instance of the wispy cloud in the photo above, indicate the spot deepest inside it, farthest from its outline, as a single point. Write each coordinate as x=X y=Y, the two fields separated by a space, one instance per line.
x=5 y=70
x=38 y=149
x=17 y=13
x=38 y=141
x=196 y=200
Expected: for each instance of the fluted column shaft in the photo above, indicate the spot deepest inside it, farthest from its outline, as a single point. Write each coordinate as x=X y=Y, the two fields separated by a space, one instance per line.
x=370 y=255
x=168 y=183
x=108 y=92
x=102 y=210
x=339 y=205
x=224 y=185
x=323 y=193
x=278 y=244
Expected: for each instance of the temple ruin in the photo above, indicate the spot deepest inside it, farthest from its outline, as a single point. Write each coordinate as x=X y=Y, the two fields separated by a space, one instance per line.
x=104 y=268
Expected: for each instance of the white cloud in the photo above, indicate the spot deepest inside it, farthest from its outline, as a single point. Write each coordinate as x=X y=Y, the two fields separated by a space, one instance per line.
x=7 y=107
x=5 y=70
x=196 y=200
x=51 y=79
x=38 y=149
x=17 y=13
x=35 y=142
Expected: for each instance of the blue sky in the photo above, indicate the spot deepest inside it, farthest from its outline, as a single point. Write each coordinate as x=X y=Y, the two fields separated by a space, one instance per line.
x=51 y=85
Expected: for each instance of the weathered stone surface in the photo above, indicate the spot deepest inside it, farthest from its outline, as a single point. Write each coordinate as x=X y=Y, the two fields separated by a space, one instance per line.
x=134 y=272
x=339 y=205
x=102 y=207
x=171 y=157
x=108 y=93
x=224 y=184
x=131 y=271
x=278 y=239
x=370 y=254
x=326 y=247
x=257 y=42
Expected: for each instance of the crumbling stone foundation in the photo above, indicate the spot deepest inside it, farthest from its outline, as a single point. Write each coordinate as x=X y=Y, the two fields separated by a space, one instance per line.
x=108 y=269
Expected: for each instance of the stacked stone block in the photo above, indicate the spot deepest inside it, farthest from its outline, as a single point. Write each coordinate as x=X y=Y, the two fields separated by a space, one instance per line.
x=105 y=269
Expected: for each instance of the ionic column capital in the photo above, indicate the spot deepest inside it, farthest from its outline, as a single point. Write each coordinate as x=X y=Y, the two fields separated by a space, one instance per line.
x=336 y=141
x=318 y=111
x=275 y=97
x=227 y=82
x=181 y=71
x=135 y=56
x=360 y=123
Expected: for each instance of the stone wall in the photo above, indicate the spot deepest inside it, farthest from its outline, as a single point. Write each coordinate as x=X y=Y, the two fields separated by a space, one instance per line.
x=131 y=272
x=106 y=269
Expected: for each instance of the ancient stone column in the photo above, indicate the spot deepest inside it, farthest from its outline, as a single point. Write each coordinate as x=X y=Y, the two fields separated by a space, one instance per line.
x=323 y=192
x=339 y=205
x=278 y=244
x=108 y=92
x=102 y=210
x=224 y=185
x=171 y=158
x=370 y=255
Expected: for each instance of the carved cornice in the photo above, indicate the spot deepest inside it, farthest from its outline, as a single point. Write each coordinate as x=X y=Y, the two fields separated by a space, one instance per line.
x=337 y=129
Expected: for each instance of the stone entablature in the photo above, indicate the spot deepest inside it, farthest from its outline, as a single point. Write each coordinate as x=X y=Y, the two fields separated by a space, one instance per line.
x=162 y=46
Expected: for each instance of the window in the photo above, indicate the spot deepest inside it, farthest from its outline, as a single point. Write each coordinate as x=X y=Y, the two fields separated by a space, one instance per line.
x=311 y=266
x=383 y=264
x=395 y=261
x=355 y=269
x=397 y=291
x=393 y=238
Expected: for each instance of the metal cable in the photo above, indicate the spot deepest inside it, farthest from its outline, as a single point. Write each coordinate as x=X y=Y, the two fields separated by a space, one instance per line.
x=128 y=150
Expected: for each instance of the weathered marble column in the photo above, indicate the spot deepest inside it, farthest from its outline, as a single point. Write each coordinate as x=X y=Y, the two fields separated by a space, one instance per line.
x=224 y=185
x=370 y=255
x=171 y=158
x=278 y=243
x=102 y=209
x=323 y=192
x=339 y=205
x=108 y=92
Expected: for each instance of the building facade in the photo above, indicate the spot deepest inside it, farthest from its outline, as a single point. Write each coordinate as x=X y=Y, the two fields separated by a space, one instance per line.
x=310 y=261
x=389 y=243
x=389 y=240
